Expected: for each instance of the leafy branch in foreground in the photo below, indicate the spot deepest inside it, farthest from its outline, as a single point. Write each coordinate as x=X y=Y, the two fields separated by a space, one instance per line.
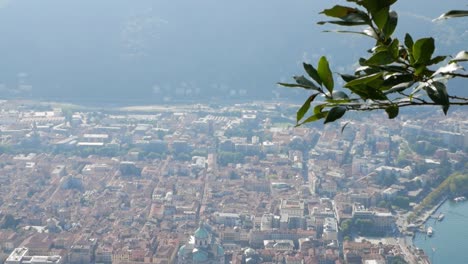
x=396 y=74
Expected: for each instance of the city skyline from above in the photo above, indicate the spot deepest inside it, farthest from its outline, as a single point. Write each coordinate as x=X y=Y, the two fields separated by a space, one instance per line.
x=134 y=184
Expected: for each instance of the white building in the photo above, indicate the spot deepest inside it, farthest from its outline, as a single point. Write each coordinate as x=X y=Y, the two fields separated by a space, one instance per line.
x=227 y=219
x=20 y=256
x=330 y=229
x=292 y=207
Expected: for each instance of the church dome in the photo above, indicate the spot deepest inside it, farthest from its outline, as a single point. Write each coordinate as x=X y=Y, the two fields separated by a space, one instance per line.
x=220 y=250
x=181 y=251
x=201 y=233
x=200 y=256
x=201 y=248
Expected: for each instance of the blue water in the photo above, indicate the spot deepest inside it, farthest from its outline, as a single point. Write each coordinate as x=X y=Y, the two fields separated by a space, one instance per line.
x=449 y=244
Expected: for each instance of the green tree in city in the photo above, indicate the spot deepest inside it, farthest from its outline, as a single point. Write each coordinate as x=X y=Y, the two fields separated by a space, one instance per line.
x=346 y=226
x=364 y=226
x=397 y=73
x=398 y=260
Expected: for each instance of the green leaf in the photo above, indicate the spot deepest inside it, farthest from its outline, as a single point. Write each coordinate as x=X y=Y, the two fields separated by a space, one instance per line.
x=391 y=24
x=392 y=111
x=394 y=49
x=339 y=95
x=367 y=92
x=339 y=11
x=364 y=80
x=399 y=87
x=380 y=17
x=423 y=49
x=409 y=42
x=396 y=78
x=319 y=108
x=409 y=45
x=437 y=91
x=393 y=68
x=436 y=60
x=376 y=5
x=306 y=82
x=420 y=69
x=335 y=113
x=376 y=84
x=452 y=14
x=362 y=62
x=325 y=74
x=312 y=72
x=305 y=107
x=314 y=117
x=348 y=78
x=379 y=48
x=347 y=14
x=380 y=58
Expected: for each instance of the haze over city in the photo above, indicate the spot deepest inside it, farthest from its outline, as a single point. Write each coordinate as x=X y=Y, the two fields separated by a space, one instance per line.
x=156 y=51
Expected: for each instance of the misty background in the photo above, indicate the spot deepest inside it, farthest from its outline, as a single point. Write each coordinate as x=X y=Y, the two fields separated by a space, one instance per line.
x=153 y=51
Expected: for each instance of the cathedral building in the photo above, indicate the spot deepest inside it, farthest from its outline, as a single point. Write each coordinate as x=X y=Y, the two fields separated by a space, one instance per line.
x=201 y=248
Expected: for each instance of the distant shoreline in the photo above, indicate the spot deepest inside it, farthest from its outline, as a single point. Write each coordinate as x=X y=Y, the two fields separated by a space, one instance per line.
x=124 y=103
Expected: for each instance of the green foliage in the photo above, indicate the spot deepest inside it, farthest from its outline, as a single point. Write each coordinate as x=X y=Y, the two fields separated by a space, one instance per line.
x=398 y=260
x=9 y=222
x=402 y=202
x=108 y=151
x=182 y=156
x=364 y=226
x=392 y=111
x=385 y=179
x=325 y=74
x=445 y=168
x=456 y=184
x=383 y=204
x=224 y=158
x=423 y=147
x=346 y=226
x=335 y=113
x=396 y=74
x=129 y=170
x=155 y=155
x=305 y=107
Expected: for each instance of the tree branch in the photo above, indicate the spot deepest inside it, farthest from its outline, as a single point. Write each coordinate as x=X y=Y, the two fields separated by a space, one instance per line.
x=458 y=97
x=384 y=105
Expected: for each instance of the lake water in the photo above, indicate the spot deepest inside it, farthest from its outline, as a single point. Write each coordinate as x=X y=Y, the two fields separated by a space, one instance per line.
x=449 y=244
